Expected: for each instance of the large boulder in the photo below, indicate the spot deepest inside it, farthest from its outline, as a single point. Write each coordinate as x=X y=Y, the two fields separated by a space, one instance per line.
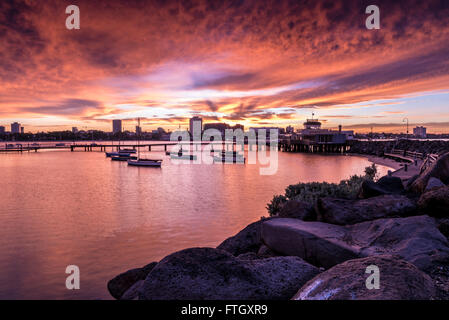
x=433 y=183
x=297 y=209
x=124 y=281
x=435 y=202
x=247 y=240
x=385 y=185
x=343 y=212
x=439 y=169
x=415 y=239
x=319 y=243
x=398 y=280
x=211 y=274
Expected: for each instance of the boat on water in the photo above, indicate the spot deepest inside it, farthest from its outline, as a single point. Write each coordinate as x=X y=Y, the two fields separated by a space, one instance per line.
x=183 y=156
x=128 y=150
x=123 y=158
x=229 y=157
x=140 y=162
x=116 y=154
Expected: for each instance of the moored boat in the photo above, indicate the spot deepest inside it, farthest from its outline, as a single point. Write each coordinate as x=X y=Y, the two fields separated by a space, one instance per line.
x=139 y=162
x=123 y=158
x=229 y=157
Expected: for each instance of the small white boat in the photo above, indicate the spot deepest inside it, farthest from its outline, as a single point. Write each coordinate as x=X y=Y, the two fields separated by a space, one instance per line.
x=145 y=162
x=117 y=154
x=229 y=157
x=183 y=156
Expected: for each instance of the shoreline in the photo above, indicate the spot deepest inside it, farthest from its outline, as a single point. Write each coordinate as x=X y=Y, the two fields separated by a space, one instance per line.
x=392 y=164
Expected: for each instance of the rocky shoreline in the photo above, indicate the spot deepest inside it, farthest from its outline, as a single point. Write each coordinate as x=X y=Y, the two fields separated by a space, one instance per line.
x=319 y=253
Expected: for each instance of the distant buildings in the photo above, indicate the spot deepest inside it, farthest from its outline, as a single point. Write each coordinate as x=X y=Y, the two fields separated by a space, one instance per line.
x=74 y=130
x=138 y=130
x=15 y=127
x=196 y=127
x=116 y=126
x=289 y=130
x=2 y=129
x=22 y=130
x=420 y=132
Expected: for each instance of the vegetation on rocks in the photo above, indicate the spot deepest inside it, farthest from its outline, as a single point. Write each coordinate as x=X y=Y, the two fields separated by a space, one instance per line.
x=310 y=192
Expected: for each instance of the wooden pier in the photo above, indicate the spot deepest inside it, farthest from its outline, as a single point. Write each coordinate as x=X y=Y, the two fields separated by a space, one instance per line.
x=113 y=146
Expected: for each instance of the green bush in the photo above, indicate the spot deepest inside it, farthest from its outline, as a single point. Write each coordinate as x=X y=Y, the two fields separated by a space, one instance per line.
x=310 y=192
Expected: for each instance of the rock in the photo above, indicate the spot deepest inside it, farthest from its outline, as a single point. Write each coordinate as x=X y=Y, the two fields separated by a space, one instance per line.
x=385 y=185
x=133 y=292
x=343 y=212
x=319 y=243
x=415 y=239
x=433 y=183
x=247 y=240
x=398 y=280
x=265 y=252
x=248 y=256
x=124 y=281
x=297 y=209
x=435 y=202
x=439 y=169
x=211 y=274
x=443 y=226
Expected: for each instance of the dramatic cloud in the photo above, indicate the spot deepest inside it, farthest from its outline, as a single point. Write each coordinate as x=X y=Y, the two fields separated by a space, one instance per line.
x=255 y=62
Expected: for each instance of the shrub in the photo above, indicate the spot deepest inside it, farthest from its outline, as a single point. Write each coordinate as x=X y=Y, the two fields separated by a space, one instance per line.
x=311 y=191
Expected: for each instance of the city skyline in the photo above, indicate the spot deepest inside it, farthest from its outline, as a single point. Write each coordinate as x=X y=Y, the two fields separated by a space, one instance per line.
x=255 y=64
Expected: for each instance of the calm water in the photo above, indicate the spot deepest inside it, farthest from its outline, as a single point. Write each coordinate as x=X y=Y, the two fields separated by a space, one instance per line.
x=60 y=208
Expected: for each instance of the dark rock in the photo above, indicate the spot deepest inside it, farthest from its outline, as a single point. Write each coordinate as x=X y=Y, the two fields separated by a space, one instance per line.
x=248 y=256
x=297 y=209
x=319 y=243
x=343 y=212
x=124 y=281
x=265 y=252
x=206 y=273
x=439 y=169
x=415 y=239
x=443 y=226
x=133 y=292
x=385 y=185
x=398 y=280
x=435 y=202
x=433 y=183
x=247 y=240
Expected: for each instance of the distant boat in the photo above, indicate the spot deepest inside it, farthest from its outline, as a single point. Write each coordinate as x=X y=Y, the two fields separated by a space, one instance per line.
x=139 y=162
x=128 y=150
x=229 y=157
x=116 y=154
x=123 y=158
x=183 y=156
x=142 y=162
x=60 y=144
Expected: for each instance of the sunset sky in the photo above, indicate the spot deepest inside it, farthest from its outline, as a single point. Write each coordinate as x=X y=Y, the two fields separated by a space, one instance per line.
x=258 y=63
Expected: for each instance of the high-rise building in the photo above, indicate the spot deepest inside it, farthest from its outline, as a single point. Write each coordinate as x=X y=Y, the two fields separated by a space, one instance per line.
x=15 y=127
x=420 y=132
x=138 y=130
x=22 y=130
x=116 y=126
x=196 y=127
x=2 y=129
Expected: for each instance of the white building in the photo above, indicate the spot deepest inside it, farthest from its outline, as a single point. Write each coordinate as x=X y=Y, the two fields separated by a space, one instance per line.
x=420 y=132
x=15 y=127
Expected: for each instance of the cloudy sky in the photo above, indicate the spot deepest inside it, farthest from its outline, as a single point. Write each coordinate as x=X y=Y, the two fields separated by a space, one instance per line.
x=258 y=63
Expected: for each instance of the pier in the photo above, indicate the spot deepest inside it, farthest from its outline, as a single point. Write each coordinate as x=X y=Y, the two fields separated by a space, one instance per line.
x=102 y=147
